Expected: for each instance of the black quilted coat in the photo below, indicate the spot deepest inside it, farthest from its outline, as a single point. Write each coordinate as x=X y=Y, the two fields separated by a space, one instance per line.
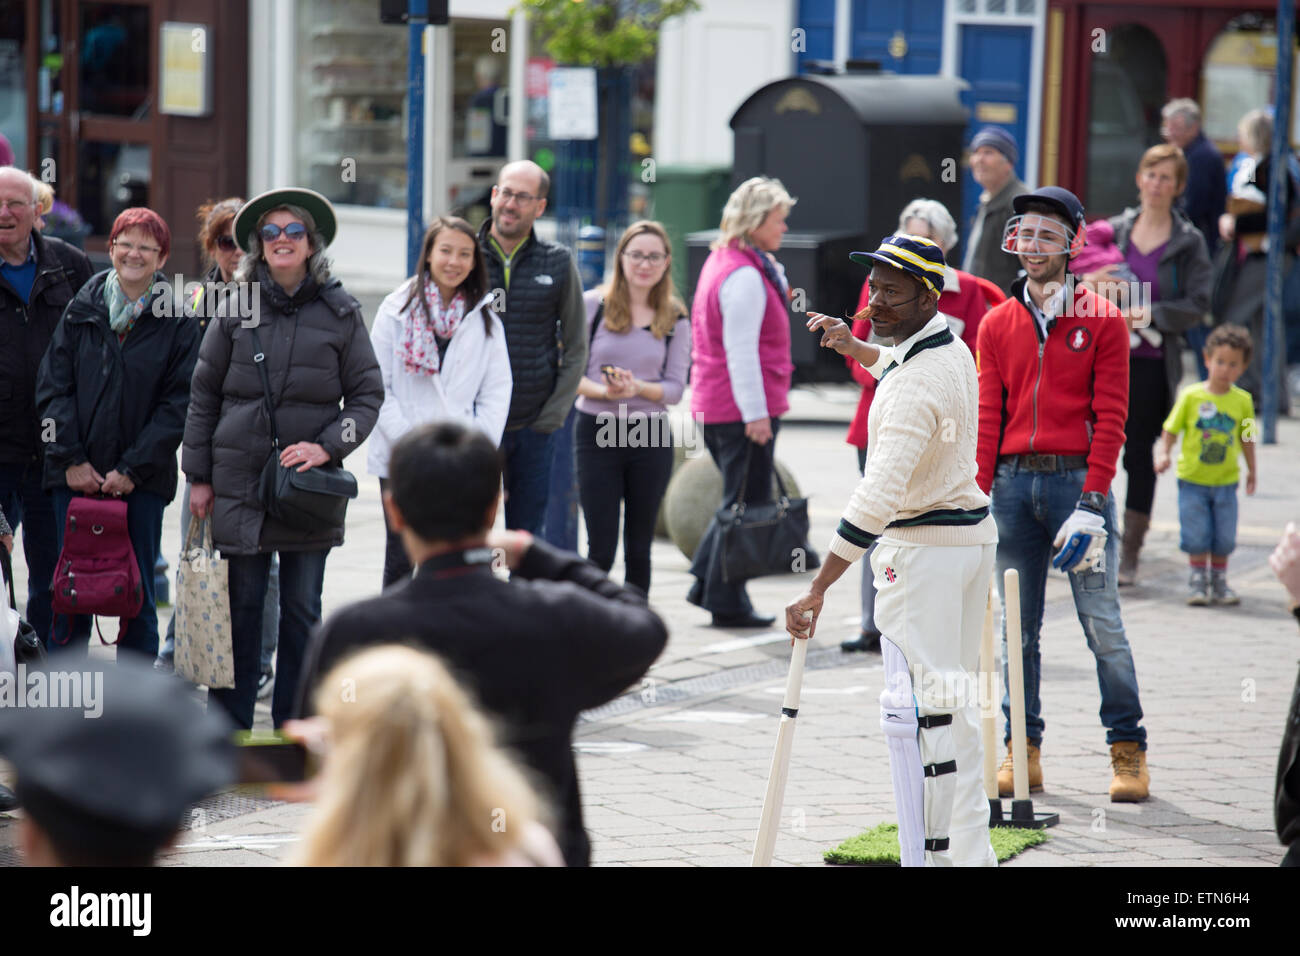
x=327 y=389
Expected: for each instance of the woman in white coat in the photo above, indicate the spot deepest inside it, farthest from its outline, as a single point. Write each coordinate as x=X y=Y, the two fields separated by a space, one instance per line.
x=442 y=352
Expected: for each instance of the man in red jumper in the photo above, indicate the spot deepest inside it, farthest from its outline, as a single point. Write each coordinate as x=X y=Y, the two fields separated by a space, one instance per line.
x=1053 y=382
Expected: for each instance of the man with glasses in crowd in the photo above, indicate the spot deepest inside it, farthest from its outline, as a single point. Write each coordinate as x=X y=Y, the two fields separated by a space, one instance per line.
x=1053 y=382
x=546 y=326
x=39 y=275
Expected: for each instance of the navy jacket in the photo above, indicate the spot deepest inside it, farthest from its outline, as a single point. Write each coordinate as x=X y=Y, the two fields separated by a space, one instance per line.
x=1203 y=199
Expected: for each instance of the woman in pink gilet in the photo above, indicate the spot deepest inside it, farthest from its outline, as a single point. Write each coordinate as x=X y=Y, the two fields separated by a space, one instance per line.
x=740 y=378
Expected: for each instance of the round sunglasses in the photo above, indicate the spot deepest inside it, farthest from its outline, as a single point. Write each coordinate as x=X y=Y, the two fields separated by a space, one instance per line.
x=271 y=232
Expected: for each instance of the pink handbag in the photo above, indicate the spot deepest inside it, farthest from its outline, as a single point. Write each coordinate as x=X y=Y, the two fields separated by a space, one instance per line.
x=97 y=571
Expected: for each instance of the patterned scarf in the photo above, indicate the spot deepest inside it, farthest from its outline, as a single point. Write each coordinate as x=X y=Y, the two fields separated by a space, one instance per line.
x=122 y=312
x=419 y=350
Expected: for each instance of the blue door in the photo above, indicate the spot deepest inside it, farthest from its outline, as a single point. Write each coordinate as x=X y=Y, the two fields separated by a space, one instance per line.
x=817 y=20
x=904 y=36
x=995 y=62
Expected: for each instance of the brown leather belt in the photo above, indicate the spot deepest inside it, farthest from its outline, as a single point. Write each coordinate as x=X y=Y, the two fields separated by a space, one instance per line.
x=1045 y=462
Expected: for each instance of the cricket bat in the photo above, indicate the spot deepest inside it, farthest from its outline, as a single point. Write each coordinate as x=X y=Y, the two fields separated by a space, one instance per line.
x=770 y=821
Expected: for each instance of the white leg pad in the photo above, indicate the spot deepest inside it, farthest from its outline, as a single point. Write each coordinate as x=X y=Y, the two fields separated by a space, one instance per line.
x=898 y=722
x=939 y=765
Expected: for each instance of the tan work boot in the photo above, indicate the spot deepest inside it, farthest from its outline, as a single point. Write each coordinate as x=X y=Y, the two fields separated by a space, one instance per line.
x=1135 y=533
x=1132 y=782
x=1006 y=773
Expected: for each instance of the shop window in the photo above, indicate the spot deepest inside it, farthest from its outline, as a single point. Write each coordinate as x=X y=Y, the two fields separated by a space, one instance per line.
x=110 y=177
x=352 y=104
x=13 y=85
x=115 y=56
x=1239 y=76
x=480 y=83
x=49 y=75
x=1128 y=90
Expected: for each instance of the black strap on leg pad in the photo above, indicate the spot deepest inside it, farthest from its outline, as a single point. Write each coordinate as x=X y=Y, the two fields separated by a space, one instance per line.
x=938 y=769
x=934 y=720
x=936 y=846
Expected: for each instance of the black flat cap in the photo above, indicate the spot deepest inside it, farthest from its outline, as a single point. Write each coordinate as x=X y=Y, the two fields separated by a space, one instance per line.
x=112 y=753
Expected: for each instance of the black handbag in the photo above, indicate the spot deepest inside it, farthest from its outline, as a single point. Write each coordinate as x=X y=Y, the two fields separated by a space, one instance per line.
x=28 y=648
x=304 y=500
x=1223 y=274
x=757 y=540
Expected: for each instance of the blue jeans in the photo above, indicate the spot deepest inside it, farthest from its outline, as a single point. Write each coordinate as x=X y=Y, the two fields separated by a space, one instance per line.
x=23 y=502
x=302 y=577
x=270 y=614
x=527 y=455
x=144 y=512
x=560 y=526
x=1195 y=338
x=1030 y=508
x=1207 y=518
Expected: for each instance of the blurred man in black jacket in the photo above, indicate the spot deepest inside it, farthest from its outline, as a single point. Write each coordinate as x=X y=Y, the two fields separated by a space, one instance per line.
x=557 y=639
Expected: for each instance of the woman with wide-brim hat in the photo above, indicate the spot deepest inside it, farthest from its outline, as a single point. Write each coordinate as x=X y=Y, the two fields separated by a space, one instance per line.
x=326 y=390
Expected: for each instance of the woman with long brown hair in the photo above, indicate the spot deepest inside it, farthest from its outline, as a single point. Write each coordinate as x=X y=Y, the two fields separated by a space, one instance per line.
x=640 y=350
x=442 y=354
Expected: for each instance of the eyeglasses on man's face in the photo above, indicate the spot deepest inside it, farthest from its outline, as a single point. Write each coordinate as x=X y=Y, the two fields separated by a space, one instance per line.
x=15 y=207
x=130 y=248
x=640 y=258
x=522 y=198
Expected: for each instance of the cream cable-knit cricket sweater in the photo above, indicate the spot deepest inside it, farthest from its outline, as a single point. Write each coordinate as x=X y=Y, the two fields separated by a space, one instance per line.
x=920 y=472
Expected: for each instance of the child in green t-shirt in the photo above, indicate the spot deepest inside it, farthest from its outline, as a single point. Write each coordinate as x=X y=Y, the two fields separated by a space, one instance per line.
x=1217 y=421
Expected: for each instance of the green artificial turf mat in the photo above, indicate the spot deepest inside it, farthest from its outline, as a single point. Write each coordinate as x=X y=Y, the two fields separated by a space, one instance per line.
x=879 y=845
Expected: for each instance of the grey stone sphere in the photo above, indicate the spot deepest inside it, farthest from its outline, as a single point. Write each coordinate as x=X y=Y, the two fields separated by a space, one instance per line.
x=695 y=493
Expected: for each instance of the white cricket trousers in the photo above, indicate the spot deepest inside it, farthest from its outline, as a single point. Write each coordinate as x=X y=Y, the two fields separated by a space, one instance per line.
x=930 y=604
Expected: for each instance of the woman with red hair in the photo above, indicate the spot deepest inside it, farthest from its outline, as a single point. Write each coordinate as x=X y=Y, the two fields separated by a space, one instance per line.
x=111 y=395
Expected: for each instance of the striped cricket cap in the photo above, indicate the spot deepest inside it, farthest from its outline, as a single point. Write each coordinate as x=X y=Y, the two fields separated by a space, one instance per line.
x=914 y=255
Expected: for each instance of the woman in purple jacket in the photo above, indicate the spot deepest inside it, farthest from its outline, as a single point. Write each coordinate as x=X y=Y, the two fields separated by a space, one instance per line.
x=636 y=367
x=740 y=327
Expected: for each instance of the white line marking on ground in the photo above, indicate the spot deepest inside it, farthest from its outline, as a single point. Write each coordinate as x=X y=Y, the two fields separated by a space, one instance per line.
x=740 y=643
x=709 y=717
x=609 y=746
x=857 y=689
x=241 y=842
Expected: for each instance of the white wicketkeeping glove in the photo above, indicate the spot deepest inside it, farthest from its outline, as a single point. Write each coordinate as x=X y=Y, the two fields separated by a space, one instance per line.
x=1081 y=542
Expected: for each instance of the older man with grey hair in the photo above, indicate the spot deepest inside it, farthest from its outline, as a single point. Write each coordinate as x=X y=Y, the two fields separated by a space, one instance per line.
x=39 y=275
x=1204 y=196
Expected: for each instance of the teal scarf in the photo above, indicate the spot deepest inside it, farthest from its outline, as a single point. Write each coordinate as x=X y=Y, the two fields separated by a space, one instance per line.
x=122 y=312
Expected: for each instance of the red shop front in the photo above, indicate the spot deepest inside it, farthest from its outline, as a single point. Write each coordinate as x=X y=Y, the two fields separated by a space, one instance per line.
x=1108 y=68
